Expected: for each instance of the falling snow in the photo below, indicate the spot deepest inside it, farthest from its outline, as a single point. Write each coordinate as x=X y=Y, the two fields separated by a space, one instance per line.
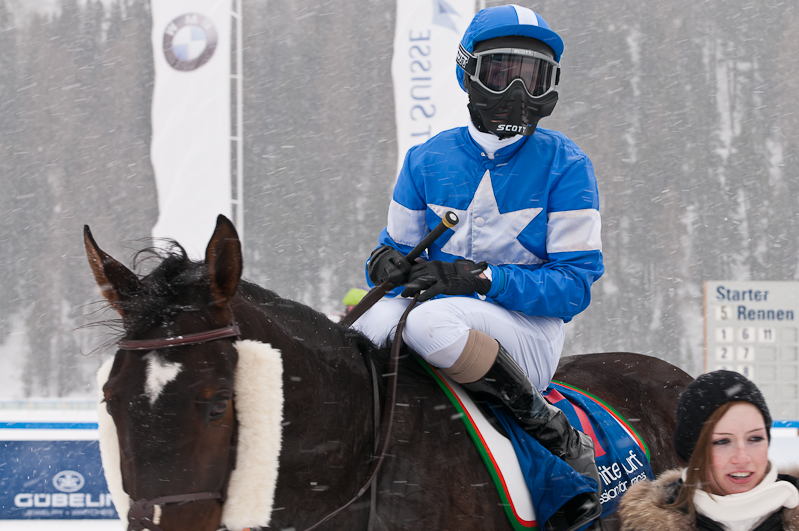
x=687 y=110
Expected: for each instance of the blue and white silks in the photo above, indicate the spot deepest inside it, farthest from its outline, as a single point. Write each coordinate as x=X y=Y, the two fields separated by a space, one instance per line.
x=531 y=212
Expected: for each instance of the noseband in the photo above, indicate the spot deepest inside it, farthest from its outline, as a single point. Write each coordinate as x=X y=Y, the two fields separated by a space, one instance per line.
x=146 y=514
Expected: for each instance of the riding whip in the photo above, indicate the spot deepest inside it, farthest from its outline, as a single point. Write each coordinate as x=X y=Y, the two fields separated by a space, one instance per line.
x=449 y=220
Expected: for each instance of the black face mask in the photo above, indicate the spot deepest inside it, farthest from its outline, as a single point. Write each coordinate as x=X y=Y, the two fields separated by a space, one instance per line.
x=511 y=82
x=511 y=112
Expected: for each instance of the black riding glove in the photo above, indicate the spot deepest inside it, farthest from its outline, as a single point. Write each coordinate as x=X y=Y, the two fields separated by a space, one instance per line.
x=388 y=263
x=461 y=277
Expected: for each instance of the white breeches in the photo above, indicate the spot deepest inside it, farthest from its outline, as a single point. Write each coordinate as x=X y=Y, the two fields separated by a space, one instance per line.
x=438 y=330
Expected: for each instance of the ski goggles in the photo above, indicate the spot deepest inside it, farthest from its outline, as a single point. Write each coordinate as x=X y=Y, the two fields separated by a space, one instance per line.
x=496 y=69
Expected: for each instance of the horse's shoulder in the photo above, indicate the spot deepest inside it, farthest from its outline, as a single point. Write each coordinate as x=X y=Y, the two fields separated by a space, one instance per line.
x=643 y=506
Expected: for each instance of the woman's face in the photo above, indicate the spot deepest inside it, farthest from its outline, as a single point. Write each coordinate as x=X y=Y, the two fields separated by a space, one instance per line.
x=739 y=454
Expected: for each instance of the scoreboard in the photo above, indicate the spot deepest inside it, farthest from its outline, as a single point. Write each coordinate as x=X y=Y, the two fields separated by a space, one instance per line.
x=751 y=327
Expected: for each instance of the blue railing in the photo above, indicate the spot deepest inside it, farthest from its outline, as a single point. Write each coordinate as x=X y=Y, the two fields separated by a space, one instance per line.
x=48 y=425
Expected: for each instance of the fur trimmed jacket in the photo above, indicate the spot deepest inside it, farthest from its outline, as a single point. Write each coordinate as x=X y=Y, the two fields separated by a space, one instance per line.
x=642 y=508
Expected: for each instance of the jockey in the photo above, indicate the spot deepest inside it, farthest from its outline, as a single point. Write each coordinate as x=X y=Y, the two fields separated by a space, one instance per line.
x=497 y=289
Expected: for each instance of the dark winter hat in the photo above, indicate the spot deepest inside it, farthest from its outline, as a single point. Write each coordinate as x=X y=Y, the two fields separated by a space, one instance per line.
x=704 y=396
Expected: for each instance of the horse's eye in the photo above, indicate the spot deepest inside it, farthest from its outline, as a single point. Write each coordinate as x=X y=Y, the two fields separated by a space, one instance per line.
x=219 y=405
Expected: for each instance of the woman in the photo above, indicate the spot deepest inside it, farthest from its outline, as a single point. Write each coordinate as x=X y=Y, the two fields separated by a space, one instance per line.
x=723 y=433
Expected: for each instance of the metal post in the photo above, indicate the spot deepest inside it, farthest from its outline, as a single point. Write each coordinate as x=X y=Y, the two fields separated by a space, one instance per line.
x=238 y=198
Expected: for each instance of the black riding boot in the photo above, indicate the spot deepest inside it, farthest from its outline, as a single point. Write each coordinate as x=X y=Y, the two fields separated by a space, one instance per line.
x=550 y=427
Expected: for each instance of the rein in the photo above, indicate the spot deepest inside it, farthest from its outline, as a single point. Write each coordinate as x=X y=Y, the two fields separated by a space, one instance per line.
x=449 y=221
x=146 y=514
x=387 y=419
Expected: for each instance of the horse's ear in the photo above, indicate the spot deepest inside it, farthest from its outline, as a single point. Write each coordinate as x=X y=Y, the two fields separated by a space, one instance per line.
x=223 y=258
x=116 y=281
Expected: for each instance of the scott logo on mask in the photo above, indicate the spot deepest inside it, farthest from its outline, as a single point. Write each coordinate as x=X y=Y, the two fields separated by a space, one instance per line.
x=511 y=128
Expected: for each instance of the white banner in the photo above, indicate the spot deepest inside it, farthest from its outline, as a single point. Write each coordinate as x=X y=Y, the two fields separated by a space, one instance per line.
x=191 y=119
x=427 y=96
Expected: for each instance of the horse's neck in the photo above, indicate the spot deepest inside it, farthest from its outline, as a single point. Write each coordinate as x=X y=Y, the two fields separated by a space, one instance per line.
x=327 y=439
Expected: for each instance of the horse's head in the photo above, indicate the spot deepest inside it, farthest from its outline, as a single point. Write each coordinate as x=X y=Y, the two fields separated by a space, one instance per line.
x=170 y=388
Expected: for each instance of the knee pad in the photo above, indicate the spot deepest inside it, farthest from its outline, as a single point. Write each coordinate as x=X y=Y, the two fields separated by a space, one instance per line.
x=477 y=358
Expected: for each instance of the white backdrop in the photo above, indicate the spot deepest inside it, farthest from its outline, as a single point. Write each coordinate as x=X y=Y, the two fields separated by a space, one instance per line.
x=191 y=119
x=427 y=96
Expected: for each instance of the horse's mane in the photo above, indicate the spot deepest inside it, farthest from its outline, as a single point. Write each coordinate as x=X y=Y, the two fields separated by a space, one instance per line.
x=262 y=296
x=297 y=315
x=158 y=302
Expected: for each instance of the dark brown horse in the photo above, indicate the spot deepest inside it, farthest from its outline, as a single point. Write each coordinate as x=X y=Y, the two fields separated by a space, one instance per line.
x=172 y=398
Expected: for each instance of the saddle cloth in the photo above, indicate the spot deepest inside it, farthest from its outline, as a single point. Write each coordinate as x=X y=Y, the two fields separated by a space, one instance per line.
x=531 y=482
x=622 y=456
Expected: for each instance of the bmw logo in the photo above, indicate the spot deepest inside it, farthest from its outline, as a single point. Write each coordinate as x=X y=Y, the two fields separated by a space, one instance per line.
x=189 y=41
x=68 y=481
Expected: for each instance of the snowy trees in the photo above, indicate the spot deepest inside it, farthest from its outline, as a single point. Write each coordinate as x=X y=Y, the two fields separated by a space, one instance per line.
x=687 y=111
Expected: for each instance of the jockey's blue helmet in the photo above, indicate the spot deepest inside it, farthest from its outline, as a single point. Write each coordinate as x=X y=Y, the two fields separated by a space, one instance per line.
x=506 y=21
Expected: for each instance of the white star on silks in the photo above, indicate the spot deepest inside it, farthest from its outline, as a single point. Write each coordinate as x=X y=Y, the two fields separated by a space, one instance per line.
x=484 y=233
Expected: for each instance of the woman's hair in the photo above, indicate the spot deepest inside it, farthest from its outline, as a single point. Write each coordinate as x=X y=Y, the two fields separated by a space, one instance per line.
x=700 y=464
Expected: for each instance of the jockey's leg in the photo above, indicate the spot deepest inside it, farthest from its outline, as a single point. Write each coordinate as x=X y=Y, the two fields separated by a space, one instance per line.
x=461 y=336
x=439 y=329
x=548 y=424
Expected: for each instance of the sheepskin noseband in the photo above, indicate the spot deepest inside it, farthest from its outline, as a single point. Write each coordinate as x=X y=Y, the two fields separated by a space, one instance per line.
x=259 y=411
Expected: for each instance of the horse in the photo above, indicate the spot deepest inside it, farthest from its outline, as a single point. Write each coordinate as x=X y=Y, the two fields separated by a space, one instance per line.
x=177 y=435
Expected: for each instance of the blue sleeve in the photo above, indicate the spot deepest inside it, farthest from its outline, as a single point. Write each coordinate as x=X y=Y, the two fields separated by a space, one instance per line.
x=406 y=215
x=561 y=287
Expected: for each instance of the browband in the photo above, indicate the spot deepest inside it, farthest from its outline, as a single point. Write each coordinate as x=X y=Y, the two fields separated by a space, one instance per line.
x=188 y=339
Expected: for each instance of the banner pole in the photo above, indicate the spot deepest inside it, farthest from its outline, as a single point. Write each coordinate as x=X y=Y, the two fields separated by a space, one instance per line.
x=238 y=200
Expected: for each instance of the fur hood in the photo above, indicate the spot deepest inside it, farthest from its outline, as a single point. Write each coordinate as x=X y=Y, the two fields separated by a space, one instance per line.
x=641 y=507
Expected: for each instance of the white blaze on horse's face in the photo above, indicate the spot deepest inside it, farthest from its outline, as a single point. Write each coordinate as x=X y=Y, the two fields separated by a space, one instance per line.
x=159 y=373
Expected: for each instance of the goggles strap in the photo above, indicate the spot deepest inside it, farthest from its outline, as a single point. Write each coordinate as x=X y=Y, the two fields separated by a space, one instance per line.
x=466 y=60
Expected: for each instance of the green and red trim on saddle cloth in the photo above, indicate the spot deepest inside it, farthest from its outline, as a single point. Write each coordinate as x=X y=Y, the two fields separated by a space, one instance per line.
x=516 y=476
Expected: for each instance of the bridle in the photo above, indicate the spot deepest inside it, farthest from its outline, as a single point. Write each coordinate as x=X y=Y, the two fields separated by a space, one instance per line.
x=188 y=339
x=146 y=514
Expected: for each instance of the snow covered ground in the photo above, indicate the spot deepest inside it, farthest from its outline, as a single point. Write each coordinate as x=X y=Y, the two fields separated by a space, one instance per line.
x=75 y=423
x=61 y=525
x=784 y=449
